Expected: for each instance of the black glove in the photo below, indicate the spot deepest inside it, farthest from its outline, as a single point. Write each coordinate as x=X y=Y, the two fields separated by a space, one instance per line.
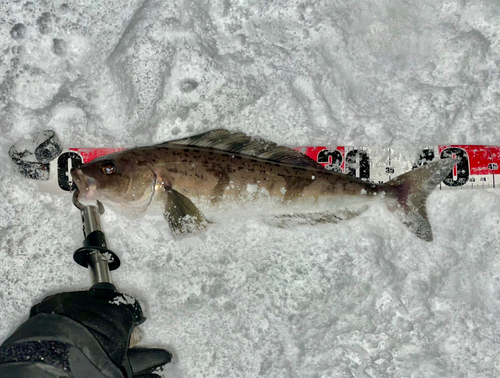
x=81 y=327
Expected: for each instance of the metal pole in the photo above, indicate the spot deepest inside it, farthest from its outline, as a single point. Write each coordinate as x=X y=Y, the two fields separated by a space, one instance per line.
x=94 y=255
x=99 y=269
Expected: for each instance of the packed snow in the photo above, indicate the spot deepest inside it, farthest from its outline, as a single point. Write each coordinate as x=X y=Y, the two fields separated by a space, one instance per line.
x=361 y=298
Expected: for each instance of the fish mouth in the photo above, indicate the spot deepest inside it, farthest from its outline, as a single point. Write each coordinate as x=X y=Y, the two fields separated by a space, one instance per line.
x=86 y=185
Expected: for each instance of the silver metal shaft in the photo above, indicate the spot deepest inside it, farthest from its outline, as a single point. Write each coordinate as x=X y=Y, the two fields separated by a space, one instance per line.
x=96 y=261
x=99 y=268
x=91 y=220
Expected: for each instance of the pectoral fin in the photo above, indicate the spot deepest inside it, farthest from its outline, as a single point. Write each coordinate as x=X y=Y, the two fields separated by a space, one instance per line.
x=182 y=215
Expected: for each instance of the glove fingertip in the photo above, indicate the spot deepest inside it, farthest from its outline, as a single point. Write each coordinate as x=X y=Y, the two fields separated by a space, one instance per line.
x=146 y=360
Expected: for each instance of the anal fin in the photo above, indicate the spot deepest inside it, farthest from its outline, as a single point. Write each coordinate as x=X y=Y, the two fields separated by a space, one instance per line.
x=298 y=219
x=182 y=215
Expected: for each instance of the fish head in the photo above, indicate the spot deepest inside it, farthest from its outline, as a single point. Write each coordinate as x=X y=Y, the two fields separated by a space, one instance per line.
x=115 y=179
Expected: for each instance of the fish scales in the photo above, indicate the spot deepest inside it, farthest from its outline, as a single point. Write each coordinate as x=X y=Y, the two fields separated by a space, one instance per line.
x=206 y=172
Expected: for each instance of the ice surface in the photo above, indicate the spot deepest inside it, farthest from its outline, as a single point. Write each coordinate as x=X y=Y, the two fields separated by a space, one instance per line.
x=363 y=298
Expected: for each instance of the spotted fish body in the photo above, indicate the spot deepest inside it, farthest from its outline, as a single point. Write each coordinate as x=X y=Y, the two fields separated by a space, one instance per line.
x=218 y=171
x=214 y=177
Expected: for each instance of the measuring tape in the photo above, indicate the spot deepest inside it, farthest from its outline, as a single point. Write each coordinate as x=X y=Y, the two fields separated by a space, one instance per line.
x=476 y=165
x=41 y=158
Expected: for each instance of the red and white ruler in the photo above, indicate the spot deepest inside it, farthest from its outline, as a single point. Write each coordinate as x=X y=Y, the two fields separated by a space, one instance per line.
x=476 y=168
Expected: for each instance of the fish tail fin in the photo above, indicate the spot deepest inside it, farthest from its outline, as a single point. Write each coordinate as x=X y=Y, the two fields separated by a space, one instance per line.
x=408 y=195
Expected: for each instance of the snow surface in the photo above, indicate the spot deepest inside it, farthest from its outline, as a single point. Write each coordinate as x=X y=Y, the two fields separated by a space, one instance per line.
x=364 y=298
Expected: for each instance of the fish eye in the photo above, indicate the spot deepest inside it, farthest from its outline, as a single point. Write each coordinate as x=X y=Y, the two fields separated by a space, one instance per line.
x=108 y=168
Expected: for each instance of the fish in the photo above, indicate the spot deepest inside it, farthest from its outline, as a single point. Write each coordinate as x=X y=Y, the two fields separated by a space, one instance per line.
x=221 y=171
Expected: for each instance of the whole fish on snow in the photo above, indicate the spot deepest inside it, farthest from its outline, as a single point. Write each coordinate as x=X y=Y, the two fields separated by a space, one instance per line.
x=219 y=171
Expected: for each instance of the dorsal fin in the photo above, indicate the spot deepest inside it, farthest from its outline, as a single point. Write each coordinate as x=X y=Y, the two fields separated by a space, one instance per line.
x=243 y=144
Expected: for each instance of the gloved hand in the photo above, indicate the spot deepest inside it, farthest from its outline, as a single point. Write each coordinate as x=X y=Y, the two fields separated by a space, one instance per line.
x=110 y=317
